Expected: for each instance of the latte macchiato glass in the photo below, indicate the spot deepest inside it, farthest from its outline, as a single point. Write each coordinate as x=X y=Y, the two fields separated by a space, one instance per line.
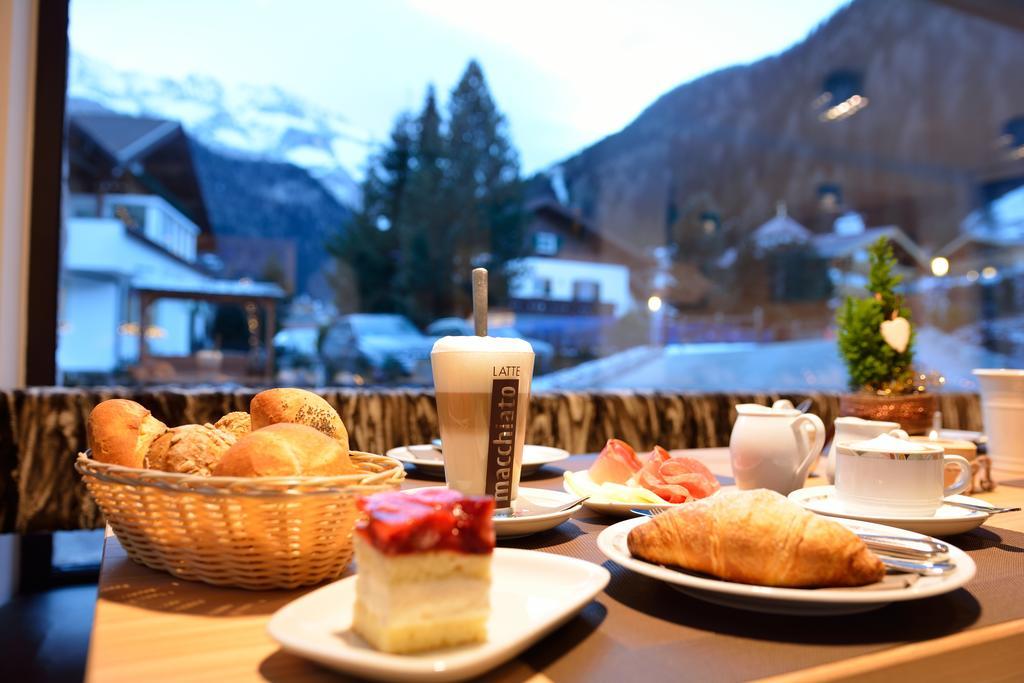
x=482 y=386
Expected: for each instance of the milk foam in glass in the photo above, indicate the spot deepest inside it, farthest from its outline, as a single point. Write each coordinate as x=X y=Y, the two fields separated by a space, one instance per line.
x=483 y=398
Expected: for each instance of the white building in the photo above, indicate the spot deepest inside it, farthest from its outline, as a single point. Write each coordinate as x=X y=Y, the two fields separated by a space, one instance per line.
x=133 y=293
x=115 y=249
x=559 y=279
x=570 y=266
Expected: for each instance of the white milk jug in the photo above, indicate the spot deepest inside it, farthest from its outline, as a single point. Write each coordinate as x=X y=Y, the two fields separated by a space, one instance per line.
x=774 y=448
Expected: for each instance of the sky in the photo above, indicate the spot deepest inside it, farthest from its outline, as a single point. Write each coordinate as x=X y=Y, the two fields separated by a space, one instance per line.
x=565 y=72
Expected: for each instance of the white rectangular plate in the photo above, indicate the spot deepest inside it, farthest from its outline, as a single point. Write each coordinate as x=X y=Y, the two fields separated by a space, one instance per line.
x=532 y=594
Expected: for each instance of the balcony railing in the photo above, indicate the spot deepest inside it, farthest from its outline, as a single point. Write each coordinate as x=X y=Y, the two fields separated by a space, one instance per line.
x=557 y=307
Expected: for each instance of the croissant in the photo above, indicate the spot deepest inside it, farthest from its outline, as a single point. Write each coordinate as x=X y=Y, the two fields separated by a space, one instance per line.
x=756 y=537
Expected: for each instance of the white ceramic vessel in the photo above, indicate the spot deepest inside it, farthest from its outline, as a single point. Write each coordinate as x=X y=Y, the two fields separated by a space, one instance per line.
x=948 y=520
x=429 y=460
x=894 y=476
x=850 y=429
x=774 y=448
x=1002 y=410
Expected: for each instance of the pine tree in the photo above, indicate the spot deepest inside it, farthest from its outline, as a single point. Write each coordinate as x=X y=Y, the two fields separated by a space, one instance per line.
x=484 y=187
x=425 y=269
x=873 y=365
x=439 y=199
x=366 y=248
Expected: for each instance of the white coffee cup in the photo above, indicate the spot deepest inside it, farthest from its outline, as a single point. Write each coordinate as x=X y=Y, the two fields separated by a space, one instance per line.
x=1002 y=411
x=892 y=475
x=774 y=448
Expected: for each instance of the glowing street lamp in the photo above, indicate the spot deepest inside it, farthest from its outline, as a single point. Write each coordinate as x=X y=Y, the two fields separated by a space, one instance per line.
x=654 y=303
x=940 y=266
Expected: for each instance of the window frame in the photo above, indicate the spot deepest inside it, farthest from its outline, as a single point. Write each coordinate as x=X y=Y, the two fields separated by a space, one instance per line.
x=36 y=570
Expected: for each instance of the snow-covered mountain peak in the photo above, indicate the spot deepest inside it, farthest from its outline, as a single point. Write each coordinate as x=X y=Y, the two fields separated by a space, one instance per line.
x=264 y=122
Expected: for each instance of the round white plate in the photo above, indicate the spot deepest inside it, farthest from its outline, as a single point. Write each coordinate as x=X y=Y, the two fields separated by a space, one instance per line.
x=609 y=508
x=533 y=506
x=532 y=593
x=623 y=509
x=428 y=459
x=947 y=520
x=798 y=601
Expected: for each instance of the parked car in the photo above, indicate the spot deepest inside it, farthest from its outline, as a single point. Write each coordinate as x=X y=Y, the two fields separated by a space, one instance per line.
x=457 y=327
x=379 y=347
x=298 y=359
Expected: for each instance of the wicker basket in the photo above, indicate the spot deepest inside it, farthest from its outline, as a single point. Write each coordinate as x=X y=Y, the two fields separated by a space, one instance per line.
x=256 y=533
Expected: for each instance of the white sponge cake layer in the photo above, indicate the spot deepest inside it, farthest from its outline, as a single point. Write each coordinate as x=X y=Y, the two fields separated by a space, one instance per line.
x=414 y=636
x=412 y=567
x=421 y=601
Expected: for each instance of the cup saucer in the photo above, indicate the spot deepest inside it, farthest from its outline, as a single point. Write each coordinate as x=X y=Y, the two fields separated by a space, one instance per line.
x=532 y=512
x=947 y=520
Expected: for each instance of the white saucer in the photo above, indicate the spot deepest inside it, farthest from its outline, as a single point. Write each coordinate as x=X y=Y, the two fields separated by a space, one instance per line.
x=797 y=601
x=531 y=504
x=532 y=593
x=963 y=435
x=429 y=460
x=947 y=520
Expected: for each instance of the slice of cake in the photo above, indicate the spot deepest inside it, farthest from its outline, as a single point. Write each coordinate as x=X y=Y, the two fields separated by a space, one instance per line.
x=424 y=569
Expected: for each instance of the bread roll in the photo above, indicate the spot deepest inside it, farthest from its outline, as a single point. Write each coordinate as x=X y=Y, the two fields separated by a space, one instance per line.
x=237 y=423
x=756 y=537
x=120 y=432
x=297 y=406
x=190 y=449
x=285 y=450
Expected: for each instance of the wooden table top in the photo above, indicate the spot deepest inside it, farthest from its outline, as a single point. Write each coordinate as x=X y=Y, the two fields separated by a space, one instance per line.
x=150 y=626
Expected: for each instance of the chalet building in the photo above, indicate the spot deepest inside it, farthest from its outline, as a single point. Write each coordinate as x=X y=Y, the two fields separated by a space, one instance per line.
x=573 y=281
x=135 y=293
x=992 y=239
x=569 y=262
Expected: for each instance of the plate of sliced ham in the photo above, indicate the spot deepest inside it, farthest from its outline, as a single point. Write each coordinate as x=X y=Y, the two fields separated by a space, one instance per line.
x=620 y=480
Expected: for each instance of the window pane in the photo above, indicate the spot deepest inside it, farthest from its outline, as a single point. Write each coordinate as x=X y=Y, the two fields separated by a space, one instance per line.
x=300 y=197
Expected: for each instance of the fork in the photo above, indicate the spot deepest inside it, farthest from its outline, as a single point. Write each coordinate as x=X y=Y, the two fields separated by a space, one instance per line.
x=992 y=510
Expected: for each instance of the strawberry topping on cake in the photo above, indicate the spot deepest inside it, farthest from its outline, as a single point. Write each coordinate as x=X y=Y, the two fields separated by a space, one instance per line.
x=432 y=519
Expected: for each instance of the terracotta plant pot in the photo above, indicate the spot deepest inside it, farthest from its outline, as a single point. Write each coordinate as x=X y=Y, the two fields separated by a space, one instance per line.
x=912 y=411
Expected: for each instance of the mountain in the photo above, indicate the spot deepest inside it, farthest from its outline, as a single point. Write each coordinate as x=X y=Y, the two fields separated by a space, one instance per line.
x=940 y=87
x=270 y=220
x=250 y=122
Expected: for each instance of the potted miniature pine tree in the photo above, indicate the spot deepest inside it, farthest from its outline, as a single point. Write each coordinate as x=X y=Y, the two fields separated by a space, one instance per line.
x=876 y=340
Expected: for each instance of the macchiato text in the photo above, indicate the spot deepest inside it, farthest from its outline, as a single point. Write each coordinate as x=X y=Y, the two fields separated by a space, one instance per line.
x=501 y=452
